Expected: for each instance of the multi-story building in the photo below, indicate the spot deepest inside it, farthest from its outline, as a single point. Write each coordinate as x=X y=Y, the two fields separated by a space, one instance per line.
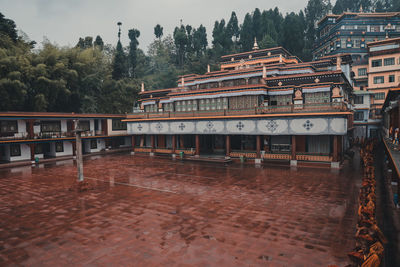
x=28 y=136
x=366 y=124
x=383 y=68
x=350 y=32
x=262 y=104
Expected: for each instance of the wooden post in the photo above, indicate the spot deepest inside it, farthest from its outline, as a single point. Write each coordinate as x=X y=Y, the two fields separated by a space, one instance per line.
x=258 y=146
x=31 y=133
x=335 y=148
x=79 y=159
x=197 y=144
x=228 y=145
x=153 y=144
x=173 y=143
x=74 y=148
x=181 y=142
x=32 y=147
x=293 y=147
x=133 y=143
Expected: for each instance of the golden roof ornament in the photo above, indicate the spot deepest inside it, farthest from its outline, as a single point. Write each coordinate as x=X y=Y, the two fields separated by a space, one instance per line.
x=255 y=46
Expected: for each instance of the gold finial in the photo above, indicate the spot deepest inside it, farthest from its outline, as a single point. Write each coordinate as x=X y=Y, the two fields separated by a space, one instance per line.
x=255 y=46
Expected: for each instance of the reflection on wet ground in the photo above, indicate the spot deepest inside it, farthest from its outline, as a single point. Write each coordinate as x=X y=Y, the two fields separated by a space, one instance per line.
x=146 y=211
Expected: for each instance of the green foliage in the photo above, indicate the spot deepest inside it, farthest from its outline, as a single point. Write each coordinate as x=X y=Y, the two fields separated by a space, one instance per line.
x=158 y=31
x=132 y=56
x=119 y=64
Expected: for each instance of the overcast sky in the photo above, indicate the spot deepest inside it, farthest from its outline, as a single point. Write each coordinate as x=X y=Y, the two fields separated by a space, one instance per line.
x=64 y=21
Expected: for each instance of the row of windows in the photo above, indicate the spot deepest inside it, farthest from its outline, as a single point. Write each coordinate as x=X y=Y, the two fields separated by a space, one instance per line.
x=381 y=79
x=386 y=62
x=222 y=103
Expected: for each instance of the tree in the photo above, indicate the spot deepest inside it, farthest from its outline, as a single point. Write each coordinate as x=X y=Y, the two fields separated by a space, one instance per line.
x=246 y=33
x=267 y=42
x=132 y=56
x=181 y=41
x=8 y=27
x=315 y=11
x=293 y=33
x=119 y=64
x=233 y=27
x=99 y=42
x=158 y=31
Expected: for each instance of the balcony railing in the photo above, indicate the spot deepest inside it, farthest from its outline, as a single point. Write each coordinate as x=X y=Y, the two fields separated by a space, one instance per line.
x=294 y=108
x=13 y=136
x=48 y=135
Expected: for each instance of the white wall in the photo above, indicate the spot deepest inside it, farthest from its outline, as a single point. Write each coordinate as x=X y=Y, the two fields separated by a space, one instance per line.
x=25 y=153
x=63 y=125
x=111 y=132
x=67 y=149
x=101 y=145
x=21 y=126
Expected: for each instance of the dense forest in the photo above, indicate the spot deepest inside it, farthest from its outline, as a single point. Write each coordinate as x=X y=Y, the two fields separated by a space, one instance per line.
x=95 y=77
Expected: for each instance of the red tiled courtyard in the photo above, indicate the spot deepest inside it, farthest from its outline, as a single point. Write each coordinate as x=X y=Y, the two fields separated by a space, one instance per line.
x=145 y=211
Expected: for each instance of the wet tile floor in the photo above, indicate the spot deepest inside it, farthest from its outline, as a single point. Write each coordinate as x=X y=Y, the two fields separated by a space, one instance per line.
x=145 y=211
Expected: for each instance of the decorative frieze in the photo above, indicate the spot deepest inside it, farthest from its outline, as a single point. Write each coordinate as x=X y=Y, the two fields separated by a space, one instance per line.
x=279 y=126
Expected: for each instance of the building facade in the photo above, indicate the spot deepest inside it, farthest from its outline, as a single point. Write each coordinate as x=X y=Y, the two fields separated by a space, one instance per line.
x=30 y=136
x=262 y=104
x=350 y=32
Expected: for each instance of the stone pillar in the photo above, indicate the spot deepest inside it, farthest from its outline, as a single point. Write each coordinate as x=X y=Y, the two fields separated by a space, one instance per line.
x=32 y=147
x=133 y=144
x=74 y=148
x=79 y=158
x=228 y=145
x=197 y=145
x=293 y=161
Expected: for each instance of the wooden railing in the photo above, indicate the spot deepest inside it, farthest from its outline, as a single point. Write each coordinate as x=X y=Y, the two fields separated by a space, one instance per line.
x=314 y=157
x=294 y=108
x=280 y=156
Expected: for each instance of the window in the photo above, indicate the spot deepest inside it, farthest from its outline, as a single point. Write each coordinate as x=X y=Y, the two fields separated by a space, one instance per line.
x=118 y=125
x=379 y=96
x=59 y=147
x=84 y=125
x=388 y=61
x=15 y=150
x=318 y=97
x=50 y=126
x=359 y=99
x=376 y=63
x=391 y=78
x=359 y=116
x=362 y=72
x=38 y=149
x=8 y=127
x=93 y=144
x=379 y=79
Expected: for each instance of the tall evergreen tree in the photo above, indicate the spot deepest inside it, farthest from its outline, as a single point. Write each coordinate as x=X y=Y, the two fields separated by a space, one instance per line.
x=246 y=33
x=158 y=31
x=119 y=63
x=132 y=57
x=99 y=42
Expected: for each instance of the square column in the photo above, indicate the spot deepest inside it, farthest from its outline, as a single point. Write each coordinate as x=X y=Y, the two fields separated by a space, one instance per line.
x=173 y=144
x=181 y=142
x=335 y=148
x=152 y=140
x=32 y=147
x=31 y=134
x=133 y=145
x=228 y=145
x=293 y=161
x=197 y=145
